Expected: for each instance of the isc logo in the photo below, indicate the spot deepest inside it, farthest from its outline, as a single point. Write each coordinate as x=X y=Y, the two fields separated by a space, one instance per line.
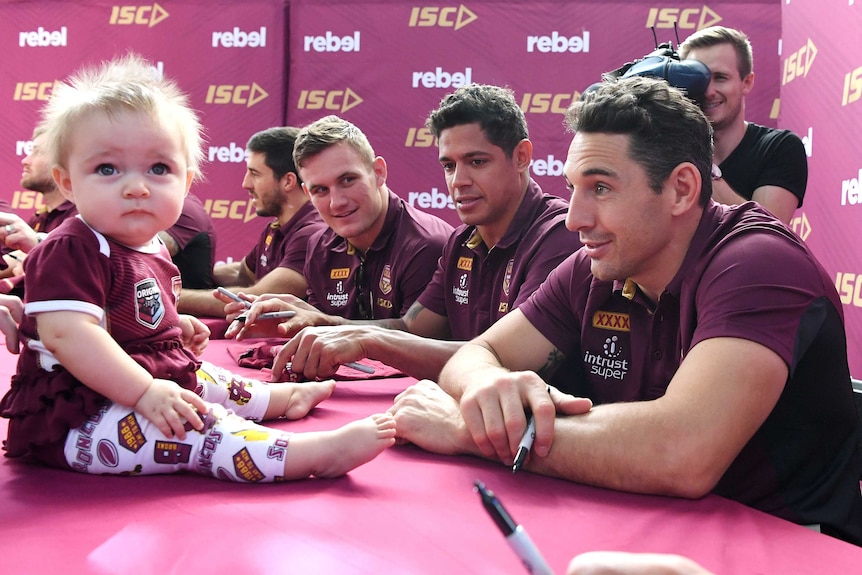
x=798 y=63
x=849 y=288
x=685 y=18
x=27 y=91
x=852 y=86
x=541 y=103
x=338 y=100
x=230 y=209
x=141 y=15
x=419 y=138
x=445 y=17
x=241 y=94
x=27 y=200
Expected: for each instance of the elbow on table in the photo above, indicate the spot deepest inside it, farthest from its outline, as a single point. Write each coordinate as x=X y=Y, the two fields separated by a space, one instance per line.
x=690 y=481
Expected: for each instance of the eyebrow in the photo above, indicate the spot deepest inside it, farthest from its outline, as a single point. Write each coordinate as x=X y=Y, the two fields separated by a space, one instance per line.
x=468 y=155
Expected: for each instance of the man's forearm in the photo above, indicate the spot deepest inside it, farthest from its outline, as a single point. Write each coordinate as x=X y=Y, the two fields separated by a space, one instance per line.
x=200 y=303
x=419 y=357
x=471 y=360
x=629 y=447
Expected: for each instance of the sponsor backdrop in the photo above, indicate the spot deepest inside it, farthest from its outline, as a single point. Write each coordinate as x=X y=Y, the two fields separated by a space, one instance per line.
x=385 y=64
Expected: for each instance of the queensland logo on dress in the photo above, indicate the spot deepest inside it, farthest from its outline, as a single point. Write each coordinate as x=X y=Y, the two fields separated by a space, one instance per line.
x=386 y=280
x=150 y=309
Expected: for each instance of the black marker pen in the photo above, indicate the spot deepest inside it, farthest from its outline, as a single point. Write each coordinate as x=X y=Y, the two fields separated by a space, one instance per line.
x=515 y=534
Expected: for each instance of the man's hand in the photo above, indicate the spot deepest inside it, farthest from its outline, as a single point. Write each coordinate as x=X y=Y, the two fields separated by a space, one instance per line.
x=495 y=412
x=317 y=352
x=11 y=314
x=428 y=417
x=306 y=316
x=618 y=562
x=16 y=233
x=168 y=406
x=195 y=334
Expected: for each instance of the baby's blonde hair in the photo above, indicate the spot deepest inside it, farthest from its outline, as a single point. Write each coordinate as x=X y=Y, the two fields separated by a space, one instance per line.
x=125 y=84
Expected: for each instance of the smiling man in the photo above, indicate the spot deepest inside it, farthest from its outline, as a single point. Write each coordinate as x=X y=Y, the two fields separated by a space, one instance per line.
x=709 y=339
x=754 y=162
x=274 y=265
x=377 y=254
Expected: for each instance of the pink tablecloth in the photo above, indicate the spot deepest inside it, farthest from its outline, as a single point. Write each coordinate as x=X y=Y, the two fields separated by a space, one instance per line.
x=405 y=512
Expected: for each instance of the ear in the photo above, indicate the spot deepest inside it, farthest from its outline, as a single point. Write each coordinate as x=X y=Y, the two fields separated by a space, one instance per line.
x=190 y=177
x=380 y=170
x=523 y=155
x=305 y=189
x=747 y=83
x=288 y=181
x=684 y=185
x=63 y=181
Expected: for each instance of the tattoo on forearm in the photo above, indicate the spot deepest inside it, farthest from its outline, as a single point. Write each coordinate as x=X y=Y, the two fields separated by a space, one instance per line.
x=414 y=310
x=552 y=363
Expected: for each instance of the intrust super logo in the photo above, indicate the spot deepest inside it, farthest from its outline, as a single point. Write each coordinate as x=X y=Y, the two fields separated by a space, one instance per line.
x=799 y=63
x=683 y=18
x=140 y=15
x=29 y=91
x=443 y=16
x=240 y=94
x=852 y=86
x=337 y=100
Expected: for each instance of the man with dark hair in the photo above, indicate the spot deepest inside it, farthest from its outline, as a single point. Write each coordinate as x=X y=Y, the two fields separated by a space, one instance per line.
x=753 y=162
x=271 y=266
x=19 y=237
x=710 y=341
x=513 y=236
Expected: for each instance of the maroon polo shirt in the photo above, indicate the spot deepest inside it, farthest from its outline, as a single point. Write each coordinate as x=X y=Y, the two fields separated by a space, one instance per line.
x=394 y=271
x=745 y=276
x=474 y=286
x=45 y=221
x=285 y=246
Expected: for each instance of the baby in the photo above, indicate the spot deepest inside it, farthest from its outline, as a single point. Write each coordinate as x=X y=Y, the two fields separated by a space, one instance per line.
x=107 y=381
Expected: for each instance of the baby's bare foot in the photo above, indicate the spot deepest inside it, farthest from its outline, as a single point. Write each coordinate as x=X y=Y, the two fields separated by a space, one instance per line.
x=334 y=453
x=302 y=397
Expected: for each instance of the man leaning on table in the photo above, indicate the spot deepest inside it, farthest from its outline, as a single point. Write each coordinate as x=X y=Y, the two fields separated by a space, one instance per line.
x=711 y=341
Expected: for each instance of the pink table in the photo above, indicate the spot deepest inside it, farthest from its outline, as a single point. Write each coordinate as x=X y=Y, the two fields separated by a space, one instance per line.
x=405 y=512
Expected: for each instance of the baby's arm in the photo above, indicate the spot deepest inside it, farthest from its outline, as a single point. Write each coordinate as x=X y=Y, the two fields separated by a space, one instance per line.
x=90 y=354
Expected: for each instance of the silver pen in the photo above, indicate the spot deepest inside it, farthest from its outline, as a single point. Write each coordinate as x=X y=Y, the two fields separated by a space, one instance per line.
x=233 y=296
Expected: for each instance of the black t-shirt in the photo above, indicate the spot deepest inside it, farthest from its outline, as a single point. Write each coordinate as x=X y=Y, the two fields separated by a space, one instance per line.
x=767 y=157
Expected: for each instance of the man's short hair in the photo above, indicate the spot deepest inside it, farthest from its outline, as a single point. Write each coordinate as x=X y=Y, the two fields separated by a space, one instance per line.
x=329 y=131
x=492 y=107
x=716 y=35
x=276 y=145
x=664 y=127
x=125 y=84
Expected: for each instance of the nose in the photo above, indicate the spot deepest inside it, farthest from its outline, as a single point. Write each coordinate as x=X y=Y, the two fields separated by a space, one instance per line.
x=579 y=216
x=459 y=177
x=338 y=200
x=246 y=182
x=136 y=187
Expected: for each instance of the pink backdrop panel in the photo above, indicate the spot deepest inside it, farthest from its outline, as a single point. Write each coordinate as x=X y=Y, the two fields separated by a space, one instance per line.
x=821 y=99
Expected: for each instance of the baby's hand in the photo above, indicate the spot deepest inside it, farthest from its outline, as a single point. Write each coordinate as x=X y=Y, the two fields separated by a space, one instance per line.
x=169 y=407
x=195 y=334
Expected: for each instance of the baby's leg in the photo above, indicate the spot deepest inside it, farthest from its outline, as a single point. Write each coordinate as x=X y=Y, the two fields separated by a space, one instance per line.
x=334 y=453
x=295 y=400
x=259 y=400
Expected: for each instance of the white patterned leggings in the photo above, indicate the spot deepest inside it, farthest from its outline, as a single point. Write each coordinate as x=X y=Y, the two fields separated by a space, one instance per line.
x=119 y=441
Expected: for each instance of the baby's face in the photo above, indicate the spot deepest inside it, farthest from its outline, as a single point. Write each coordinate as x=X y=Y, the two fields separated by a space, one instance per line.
x=127 y=175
